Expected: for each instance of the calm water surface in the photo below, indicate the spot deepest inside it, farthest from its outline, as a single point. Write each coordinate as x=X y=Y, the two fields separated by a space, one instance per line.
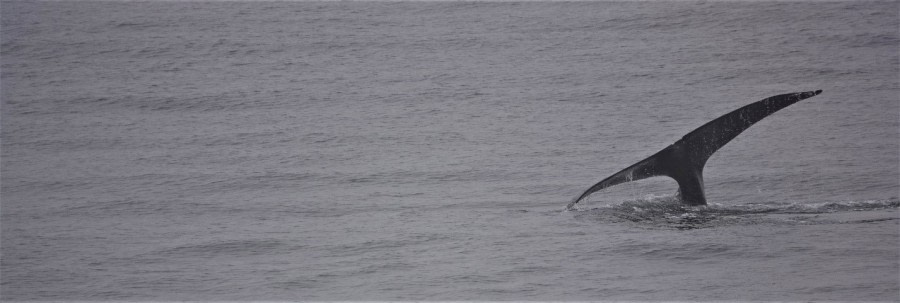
x=426 y=151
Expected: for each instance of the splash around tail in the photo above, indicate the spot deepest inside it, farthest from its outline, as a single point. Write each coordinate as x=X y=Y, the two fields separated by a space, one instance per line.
x=667 y=212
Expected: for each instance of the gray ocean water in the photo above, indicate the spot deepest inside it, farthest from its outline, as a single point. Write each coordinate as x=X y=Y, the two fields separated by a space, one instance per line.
x=426 y=151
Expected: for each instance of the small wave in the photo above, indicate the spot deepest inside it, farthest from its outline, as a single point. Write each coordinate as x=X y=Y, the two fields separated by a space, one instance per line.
x=669 y=212
x=228 y=247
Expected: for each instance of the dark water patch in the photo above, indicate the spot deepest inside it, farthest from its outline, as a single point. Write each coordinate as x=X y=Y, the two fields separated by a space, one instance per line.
x=230 y=248
x=261 y=182
x=132 y=206
x=668 y=213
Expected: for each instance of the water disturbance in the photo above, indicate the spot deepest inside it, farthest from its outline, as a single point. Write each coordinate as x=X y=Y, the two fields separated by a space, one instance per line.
x=426 y=151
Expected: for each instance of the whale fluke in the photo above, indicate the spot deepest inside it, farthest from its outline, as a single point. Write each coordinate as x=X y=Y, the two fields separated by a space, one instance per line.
x=684 y=159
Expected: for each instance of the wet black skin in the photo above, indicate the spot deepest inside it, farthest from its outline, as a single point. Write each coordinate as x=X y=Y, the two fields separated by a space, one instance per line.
x=684 y=160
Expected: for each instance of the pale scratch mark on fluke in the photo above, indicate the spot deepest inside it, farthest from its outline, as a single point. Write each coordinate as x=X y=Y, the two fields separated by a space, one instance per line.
x=684 y=159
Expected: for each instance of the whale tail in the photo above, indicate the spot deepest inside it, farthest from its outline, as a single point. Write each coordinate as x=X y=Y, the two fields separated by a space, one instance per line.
x=684 y=160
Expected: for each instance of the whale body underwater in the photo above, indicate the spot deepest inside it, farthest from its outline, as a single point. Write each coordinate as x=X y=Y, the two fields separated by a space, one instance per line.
x=684 y=160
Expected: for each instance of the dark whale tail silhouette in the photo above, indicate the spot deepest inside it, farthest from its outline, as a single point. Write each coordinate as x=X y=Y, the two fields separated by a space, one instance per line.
x=684 y=159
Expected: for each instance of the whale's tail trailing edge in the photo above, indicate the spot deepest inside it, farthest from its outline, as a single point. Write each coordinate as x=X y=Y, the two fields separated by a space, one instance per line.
x=684 y=159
